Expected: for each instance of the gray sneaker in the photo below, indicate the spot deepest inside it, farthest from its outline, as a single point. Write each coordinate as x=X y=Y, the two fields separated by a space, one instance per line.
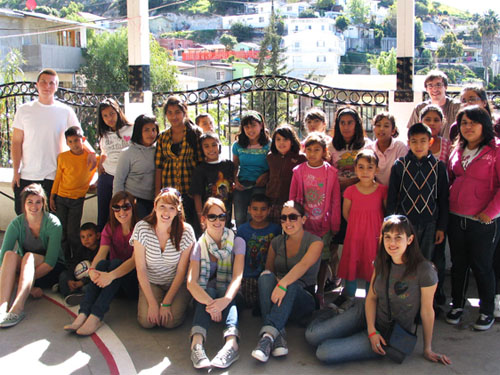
x=11 y=319
x=74 y=299
x=199 y=357
x=225 y=357
x=280 y=347
x=263 y=349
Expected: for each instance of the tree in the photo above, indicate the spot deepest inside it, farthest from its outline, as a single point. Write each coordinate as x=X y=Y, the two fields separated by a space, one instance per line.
x=390 y=22
x=229 y=41
x=489 y=26
x=451 y=47
x=421 y=10
x=271 y=61
x=419 y=33
x=358 y=12
x=241 y=31
x=385 y=63
x=325 y=4
x=342 y=23
x=308 y=13
x=106 y=67
x=10 y=66
x=425 y=60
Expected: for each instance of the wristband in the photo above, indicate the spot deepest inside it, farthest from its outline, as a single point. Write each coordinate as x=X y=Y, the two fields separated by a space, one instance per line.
x=282 y=288
x=166 y=305
x=373 y=334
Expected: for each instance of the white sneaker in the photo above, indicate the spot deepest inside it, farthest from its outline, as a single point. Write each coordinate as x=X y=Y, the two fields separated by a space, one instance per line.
x=496 y=311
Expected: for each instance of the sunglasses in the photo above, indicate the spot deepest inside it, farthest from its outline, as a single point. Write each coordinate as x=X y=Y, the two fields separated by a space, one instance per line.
x=291 y=217
x=213 y=217
x=125 y=207
x=170 y=190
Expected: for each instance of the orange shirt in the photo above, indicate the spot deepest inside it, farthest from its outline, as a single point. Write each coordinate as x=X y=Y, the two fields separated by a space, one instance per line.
x=73 y=175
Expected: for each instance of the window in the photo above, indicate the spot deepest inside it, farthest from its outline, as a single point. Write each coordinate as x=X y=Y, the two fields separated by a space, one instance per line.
x=289 y=9
x=320 y=58
x=309 y=27
x=219 y=76
x=261 y=19
x=297 y=45
x=322 y=27
x=296 y=27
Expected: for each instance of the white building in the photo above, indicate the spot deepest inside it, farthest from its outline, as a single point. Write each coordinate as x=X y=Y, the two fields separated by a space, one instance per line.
x=293 y=9
x=312 y=47
x=255 y=20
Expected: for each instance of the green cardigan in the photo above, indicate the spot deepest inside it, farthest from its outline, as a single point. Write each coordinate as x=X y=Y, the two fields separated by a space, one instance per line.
x=50 y=234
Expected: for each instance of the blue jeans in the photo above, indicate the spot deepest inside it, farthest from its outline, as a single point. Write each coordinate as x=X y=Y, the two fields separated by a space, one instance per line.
x=341 y=338
x=297 y=303
x=64 y=277
x=104 y=194
x=97 y=300
x=202 y=319
x=472 y=246
x=241 y=200
x=426 y=236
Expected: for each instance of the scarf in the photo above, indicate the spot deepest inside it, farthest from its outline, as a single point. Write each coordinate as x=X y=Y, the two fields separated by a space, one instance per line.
x=224 y=259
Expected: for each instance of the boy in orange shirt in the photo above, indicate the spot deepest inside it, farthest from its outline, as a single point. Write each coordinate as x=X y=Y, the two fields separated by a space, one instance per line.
x=70 y=186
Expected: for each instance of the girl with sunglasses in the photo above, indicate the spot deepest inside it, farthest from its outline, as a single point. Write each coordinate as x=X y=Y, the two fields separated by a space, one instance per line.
x=287 y=284
x=162 y=244
x=114 y=132
x=113 y=267
x=402 y=286
x=214 y=278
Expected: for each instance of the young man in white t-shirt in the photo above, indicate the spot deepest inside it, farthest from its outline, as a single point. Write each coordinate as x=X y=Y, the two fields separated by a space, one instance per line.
x=38 y=137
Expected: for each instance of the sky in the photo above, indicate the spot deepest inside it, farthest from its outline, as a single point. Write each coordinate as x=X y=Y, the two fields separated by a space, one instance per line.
x=477 y=6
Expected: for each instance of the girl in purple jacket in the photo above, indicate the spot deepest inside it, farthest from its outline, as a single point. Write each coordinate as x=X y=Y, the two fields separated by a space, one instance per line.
x=474 y=172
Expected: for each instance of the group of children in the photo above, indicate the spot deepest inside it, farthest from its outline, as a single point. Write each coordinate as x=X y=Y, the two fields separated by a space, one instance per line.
x=347 y=184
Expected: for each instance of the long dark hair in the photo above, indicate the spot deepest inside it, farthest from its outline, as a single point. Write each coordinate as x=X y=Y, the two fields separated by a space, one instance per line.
x=173 y=197
x=479 y=91
x=412 y=256
x=358 y=141
x=121 y=120
x=478 y=114
x=286 y=131
x=126 y=196
x=193 y=132
x=248 y=117
x=139 y=123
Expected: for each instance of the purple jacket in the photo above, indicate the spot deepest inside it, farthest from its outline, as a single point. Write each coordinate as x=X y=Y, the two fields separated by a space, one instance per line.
x=476 y=189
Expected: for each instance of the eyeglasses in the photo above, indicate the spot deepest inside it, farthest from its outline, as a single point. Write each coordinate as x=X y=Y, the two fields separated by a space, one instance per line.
x=431 y=86
x=291 y=217
x=213 y=217
x=170 y=190
x=117 y=207
x=471 y=100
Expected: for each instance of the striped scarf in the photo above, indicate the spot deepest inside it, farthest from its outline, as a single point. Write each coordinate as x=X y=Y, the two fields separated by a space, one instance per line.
x=224 y=259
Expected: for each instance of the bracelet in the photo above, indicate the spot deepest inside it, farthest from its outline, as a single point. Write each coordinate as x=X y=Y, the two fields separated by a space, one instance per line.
x=91 y=269
x=166 y=305
x=282 y=288
x=373 y=334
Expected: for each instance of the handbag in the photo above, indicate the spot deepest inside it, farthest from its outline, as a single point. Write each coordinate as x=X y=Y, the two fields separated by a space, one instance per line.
x=400 y=342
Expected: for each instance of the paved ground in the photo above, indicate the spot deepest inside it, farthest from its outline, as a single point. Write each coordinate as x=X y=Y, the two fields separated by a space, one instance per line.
x=39 y=345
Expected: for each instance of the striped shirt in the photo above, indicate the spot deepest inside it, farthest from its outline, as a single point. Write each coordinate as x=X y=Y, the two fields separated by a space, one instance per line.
x=161 y=267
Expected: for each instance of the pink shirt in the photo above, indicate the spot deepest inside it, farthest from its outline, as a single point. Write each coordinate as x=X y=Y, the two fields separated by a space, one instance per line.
x=387 y=158
x=118 y=243
x=314 y=198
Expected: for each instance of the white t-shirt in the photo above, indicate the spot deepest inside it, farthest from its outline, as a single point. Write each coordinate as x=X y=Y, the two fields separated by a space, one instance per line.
x=43 y=127
x=161 y=266
x=111 y=145
x=469 y=155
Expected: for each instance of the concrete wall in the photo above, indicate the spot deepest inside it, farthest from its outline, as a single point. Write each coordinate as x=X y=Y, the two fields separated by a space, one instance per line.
x=60 y=58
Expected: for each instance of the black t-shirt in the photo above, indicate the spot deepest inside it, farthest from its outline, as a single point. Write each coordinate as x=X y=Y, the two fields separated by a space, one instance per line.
x=214 y=180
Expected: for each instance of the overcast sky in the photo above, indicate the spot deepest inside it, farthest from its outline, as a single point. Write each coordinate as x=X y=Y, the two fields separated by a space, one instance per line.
x=477 y=6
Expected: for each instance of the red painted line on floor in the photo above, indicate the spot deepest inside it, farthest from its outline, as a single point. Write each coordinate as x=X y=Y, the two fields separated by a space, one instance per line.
x=113 y=368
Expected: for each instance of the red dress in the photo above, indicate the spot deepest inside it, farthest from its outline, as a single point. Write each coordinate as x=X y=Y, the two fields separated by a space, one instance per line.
x=363 y=232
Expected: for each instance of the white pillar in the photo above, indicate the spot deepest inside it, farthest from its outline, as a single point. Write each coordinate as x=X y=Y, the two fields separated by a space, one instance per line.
x=139 y=99
x=402 y=101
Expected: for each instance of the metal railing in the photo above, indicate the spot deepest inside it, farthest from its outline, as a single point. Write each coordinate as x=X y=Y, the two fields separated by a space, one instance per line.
x=280 y=99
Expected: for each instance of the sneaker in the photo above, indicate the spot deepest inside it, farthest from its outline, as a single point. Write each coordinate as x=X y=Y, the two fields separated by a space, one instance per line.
x=280 y=347
x=225 y=357
x=11 y=319
x=263 y=349
x=496 y=312
x=331 y=285
x=484 y=322
x=454 y=316
x=199 y=357
x=74 y=299
x=342 y=303
x=55 y=288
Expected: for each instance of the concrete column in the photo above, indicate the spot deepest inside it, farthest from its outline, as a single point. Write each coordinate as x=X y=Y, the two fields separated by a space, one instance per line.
x=139 y=99
x=402 y=101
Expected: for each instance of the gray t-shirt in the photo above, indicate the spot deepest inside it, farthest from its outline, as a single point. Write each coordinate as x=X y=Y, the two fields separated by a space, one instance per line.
x=32 y=244
x=282 y=265
x=404 y=294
